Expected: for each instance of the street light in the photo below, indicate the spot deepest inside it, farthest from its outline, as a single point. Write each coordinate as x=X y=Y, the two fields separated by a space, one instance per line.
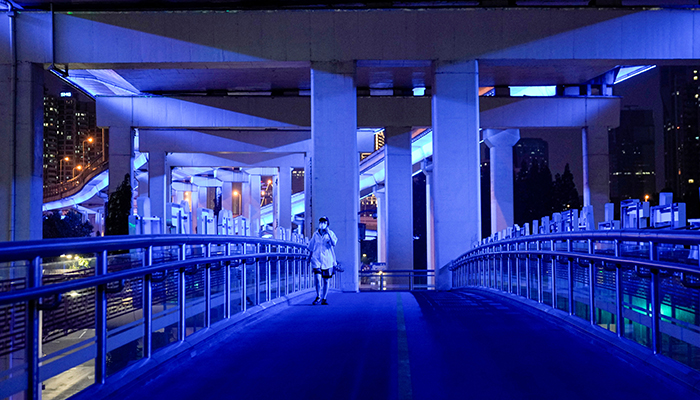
x=78 y=167
x=237 y=195
x=60 y=167
x=89 y=140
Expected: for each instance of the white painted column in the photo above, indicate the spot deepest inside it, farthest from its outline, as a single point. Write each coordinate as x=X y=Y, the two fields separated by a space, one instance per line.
x=254 y=205
x=21 y=153
x=596 y=169
x=284 y=193
x=500 y=143
x=429 y=226
x=380 y=194
x=457 y=209
x=227 y=196
x=399 y=195
x=335 y=161
x=309 y=224
x=157 y=186
x=121 y=156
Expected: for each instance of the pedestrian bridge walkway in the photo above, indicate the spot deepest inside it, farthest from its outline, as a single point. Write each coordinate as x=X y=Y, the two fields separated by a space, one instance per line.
x=406 y=345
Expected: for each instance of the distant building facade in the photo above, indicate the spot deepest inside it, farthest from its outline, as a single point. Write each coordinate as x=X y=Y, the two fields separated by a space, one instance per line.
x=632 y=156
x=529 y=151
x=680 y=92
x=71 y=139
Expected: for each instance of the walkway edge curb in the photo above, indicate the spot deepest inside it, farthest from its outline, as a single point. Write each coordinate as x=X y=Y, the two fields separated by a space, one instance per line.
x=177 y=354
x=626 y=348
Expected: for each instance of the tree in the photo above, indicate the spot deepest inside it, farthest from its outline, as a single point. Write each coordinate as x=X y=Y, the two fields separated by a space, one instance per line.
x=119 y=208
x=565 y=194
x=63 y=225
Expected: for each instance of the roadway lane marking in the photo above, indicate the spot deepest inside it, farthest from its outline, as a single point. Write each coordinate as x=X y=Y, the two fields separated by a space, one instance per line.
x=404 y=368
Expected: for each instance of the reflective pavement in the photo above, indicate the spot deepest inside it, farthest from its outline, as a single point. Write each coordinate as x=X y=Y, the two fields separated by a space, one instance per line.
x=421 y=345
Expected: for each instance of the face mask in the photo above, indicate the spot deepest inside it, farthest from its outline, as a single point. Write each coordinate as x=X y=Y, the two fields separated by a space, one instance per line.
x=322 y=226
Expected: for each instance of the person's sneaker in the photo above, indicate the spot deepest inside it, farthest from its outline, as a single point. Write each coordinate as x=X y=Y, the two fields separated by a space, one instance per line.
x=316 y=301
x=324 y=302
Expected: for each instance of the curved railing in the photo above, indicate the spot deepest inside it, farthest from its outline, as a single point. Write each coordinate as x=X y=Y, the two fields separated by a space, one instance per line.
x=640 y=284
x=73 y=186
x=115 y=301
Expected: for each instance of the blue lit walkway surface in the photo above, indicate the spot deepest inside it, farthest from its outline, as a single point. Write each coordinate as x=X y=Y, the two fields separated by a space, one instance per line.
x=426 y=345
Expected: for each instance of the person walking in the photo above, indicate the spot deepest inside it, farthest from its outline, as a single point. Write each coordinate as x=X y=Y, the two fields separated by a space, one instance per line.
x=322 y=246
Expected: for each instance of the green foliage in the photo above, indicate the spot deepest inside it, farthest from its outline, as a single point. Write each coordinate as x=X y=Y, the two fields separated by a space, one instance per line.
x=565 y=196
x=119 y=208
x=59 y=225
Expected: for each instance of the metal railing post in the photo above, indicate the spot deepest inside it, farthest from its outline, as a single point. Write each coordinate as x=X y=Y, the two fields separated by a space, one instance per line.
x=148 y=305
x=527 y=271
x=34 y=333
x=517 y=276
x=244 y=280
x=268 y=277
x=207 y=288
x=540 y=289
x=286 y=270
x=227 y=284
x=279 y=276
x=554 y=276
x=295 y=261
x=655 y=303
x=591 y=285
x=620 y=318
x=500 y=270
x=257 y=274
x=510 y=273
x=101 y=321
x=570 y=274
x=181 y=297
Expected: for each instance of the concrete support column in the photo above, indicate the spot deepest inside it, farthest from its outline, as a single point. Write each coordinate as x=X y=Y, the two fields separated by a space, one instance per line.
x=227 y=196
x=21 y=153
x=430 y=226
x=309 y=224
x=399 y=193
x=380 y=194
x=457 y=209
x=335 y=160
x=596 y=169
x=284 y=194
x=121 y=156
x=251 y=204
x=500 y=143
x=158 y=190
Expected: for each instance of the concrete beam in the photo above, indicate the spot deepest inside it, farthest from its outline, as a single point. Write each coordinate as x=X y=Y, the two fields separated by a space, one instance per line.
x=575 y=35
x=293 y=160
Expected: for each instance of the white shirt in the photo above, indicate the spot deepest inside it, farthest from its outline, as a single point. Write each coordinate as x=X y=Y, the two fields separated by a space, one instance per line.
x=322 y=249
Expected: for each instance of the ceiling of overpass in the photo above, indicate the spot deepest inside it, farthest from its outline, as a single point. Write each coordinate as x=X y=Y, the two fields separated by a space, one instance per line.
x=220 y=81
x=269 y=4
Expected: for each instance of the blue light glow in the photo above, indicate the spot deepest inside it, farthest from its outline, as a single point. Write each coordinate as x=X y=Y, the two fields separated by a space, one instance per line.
x=419 y=91
x=534 y=91
x=629 y=71
x=66 y=94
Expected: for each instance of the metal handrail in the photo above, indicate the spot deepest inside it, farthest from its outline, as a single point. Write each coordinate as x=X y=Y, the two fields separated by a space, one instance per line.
x=29 y=249
x=289 y=264
x=501 y=264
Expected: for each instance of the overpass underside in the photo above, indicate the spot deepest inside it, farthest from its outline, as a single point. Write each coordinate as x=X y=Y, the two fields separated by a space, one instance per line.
x=401 y=345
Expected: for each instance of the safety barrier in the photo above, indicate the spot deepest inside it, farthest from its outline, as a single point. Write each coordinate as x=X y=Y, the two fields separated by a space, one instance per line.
x=640 y=284
x=73 y=313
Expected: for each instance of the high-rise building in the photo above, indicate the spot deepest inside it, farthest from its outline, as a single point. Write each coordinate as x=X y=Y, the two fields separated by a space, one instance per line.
x=680 y=89
x=71 y=140
x=529 y=151
x=632 y=159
